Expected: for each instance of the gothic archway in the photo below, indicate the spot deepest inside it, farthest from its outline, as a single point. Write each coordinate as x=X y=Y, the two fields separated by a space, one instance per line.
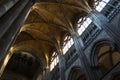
x=23 y=65
x=104 y=56
x=76 y=74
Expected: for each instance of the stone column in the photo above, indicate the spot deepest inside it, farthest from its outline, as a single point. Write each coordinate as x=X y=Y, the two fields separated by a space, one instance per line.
x=61 y=66
x=85 y=66
x=46 y=73
x=101 y=21
x=4 y=63
x=5 y=5
x=10 y=23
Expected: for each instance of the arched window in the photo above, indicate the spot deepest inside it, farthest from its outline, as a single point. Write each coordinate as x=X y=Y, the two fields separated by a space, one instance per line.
x=68 y=42
x=76 y=74
x=54 y=60
x=105 y=56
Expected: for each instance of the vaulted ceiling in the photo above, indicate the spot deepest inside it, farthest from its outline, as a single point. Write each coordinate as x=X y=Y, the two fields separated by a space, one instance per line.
x=46 y=26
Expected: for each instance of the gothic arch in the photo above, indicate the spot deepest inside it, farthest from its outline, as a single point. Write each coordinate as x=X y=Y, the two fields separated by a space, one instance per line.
x=76 y=74
x=104 y=56
x=95 y=47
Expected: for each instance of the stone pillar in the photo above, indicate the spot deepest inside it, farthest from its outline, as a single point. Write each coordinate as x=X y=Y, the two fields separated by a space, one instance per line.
x=61 y=66
x=101 y=21
x=85 y=66
x=46 y=73
x=11 y=20
x=5 y=5
x=43 y=75
x=5 y=62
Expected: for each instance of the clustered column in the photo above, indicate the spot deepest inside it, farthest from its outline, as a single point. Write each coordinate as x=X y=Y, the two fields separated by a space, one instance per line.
x=101 y=21
x=85 y=66
x=61 y=66
x=12 y=15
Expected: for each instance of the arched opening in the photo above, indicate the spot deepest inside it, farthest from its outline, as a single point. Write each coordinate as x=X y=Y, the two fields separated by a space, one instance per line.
x=22 y=65
x=105 y=56
x=76 y=74
x=108 y=56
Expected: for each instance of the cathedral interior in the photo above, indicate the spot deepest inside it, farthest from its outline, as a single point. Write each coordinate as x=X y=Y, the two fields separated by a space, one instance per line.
x=59 y=40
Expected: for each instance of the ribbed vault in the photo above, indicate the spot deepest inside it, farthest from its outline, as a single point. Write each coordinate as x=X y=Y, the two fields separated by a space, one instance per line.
x=47 y=24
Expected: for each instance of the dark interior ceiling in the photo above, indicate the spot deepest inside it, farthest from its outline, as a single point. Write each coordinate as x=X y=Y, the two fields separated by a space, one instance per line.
x=45 y=28
x=24 y=64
